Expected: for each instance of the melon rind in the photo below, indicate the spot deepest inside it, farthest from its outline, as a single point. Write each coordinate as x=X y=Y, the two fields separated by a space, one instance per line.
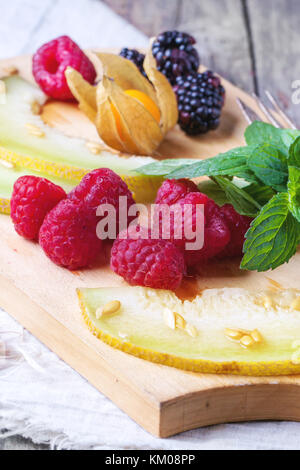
x=210 y=352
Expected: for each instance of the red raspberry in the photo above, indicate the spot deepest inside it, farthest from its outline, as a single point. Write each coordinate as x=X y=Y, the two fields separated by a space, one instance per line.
x=173 y=190
x=216 y=237
x=32 y=198
x=145 y=262
x=50 y=62
x=177 y=233
x=102 y=186
x=238 y=226
x=216 y=232
x=68 y=235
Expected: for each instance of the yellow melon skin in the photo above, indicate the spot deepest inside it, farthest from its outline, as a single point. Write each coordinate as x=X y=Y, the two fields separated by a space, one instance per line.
x=4 y=206
x=223 y=365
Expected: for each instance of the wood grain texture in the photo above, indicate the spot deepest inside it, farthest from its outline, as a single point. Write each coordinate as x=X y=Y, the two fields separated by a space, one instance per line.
x=164 y=400
x=151 y=17
x=222 y=41
x=276 y=38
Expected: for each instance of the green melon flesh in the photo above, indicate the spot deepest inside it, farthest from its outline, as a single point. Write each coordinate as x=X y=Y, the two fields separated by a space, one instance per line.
x=54 y=147
x=139 y=329
x=8 y=176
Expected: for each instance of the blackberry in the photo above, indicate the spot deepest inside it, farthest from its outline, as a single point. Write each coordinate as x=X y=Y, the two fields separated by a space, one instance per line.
x=175 y=55
x=200 y=98
x=135 y=56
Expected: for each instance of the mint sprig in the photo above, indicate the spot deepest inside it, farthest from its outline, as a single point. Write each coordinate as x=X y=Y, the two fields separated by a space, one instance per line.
x=261 y=180
x=269 y=164
x=243 y=202
x=165 y=167
x=262 y=133
x=294 y=191
x=231 y=163
x=261 y=193
x=213 y=191
x=294 y=153
x=273 y=236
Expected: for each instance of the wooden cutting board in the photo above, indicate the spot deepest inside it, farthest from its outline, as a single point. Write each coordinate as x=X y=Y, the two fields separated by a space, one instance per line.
x=164 y=400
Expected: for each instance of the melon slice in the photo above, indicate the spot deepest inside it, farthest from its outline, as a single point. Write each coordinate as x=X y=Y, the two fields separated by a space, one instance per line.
x=26 y=141
x=201 y=339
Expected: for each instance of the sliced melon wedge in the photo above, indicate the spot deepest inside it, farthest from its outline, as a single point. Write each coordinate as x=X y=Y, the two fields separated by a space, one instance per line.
x=201 y=339
x=26 y=141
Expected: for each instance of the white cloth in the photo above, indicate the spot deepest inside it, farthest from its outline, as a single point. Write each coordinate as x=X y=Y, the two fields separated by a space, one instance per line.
x=40 y=396
x=44 y=399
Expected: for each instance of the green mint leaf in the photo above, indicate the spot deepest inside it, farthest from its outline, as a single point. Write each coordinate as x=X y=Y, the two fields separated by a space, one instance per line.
x=243 y=203
x=163 y=167
x=289 y=135
x=260 y=192
x=269 y=164
x=231 y=163
x=260 y=132
x=294 y=153
x=273 y=236
x=294 y=191
x=214 y=191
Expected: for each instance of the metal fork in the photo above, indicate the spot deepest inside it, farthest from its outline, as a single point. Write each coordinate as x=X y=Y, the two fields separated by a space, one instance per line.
x=247 y=112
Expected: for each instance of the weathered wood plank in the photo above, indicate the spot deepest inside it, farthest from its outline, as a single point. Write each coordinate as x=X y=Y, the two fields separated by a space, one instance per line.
x=151 y=17
x=276 y=37
x=219 y=27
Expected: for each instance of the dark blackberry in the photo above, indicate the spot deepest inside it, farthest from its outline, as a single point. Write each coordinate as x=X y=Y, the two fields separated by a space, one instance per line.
x=135 y=56
x=175 y=55
x=200 y=98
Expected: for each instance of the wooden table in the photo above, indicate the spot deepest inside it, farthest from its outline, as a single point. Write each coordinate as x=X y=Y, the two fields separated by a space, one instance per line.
x=253 y=43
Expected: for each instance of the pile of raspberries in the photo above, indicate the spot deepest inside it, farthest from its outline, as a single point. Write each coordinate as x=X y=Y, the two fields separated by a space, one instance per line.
x=65 y=225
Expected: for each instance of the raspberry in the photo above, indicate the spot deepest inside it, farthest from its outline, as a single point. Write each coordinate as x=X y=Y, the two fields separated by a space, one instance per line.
x=68 y=235
x=146 y=262
x=31 y=199
x=216 y=231
x=238 y=226
x=188 y=219
x=173 y=190
x=50 y=62
x=216 y=237
x=102 y=186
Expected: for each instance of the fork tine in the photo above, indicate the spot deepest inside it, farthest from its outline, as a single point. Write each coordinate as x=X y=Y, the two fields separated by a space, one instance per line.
x=265 y=111
x=279 y=110
x=244 y=110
